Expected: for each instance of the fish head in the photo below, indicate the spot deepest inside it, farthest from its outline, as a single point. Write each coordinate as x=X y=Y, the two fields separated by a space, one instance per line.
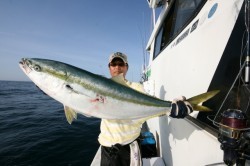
x=26 y=66
x=48 y=75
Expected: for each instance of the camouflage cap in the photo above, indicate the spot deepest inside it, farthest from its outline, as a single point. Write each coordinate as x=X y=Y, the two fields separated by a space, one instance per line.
x=118 y=55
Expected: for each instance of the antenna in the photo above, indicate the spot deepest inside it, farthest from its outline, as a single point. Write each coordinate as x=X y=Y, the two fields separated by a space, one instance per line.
x=247 y=22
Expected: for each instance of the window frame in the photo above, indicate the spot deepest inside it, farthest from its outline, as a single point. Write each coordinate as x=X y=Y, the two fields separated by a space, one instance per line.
x=168 y=26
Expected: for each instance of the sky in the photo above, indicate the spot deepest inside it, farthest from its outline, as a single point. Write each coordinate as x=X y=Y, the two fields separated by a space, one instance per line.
x=82 y=33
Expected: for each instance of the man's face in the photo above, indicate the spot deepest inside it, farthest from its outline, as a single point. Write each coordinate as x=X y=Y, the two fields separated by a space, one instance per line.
x=117 y=66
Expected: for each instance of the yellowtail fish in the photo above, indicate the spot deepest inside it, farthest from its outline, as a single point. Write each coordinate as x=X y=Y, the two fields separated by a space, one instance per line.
x=89 y=94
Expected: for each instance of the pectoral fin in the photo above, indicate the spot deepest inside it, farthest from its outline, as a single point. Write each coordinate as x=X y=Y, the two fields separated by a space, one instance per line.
x=70 y=114
x=72 y=90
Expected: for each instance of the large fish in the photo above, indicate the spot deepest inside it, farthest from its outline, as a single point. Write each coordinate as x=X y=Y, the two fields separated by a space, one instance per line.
x=93 y=95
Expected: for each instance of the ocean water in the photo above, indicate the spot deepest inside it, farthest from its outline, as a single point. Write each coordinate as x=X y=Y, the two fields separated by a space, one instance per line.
x=34 y=130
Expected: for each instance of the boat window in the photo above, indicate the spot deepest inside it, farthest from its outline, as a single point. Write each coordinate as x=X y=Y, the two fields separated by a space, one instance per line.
x=180 y=14
x=158 y=47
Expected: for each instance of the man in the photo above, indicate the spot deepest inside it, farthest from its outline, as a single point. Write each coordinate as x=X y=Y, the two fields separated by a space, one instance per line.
x=118 y=138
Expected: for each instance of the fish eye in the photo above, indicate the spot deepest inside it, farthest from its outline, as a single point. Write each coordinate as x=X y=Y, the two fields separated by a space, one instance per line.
x=37 y=68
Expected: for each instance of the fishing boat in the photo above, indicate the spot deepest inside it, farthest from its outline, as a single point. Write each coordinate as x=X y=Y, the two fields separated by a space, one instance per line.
x=198 y=46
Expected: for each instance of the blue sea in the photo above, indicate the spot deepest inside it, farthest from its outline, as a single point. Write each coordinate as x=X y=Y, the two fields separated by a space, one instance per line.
x=34 y=130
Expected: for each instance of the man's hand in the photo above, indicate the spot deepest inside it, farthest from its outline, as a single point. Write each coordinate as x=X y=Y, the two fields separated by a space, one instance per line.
x=180 y=108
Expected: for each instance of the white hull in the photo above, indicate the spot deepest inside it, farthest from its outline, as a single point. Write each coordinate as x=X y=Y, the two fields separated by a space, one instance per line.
x=181 y=142
x=186 y=66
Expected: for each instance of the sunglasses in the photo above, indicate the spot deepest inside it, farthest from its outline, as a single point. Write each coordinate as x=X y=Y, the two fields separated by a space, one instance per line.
x=121 y=64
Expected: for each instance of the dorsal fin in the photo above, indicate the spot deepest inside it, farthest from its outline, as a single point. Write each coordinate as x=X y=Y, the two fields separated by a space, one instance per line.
x=119 y=79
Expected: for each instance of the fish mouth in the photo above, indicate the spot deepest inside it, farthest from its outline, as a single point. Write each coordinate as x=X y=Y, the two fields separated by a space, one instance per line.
x=24 y=65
